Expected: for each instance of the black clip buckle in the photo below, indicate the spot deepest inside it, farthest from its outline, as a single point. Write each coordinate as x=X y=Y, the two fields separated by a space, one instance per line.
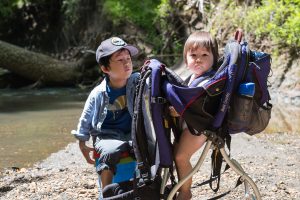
x=159 y=100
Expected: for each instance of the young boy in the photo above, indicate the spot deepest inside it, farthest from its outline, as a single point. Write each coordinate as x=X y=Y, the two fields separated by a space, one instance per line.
x=200 y=55
x=107 y=112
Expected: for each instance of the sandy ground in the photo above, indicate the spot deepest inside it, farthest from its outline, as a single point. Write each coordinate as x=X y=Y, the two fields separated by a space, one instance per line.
x=271 y=160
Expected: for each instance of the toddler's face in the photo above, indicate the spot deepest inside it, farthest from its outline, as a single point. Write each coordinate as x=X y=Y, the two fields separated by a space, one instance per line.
x=199 y=60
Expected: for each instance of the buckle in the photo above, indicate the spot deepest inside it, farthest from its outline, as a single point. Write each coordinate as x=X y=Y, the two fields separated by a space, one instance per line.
x=159 y=100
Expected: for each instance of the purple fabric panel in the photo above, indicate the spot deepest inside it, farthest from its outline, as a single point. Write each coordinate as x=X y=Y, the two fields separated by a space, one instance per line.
x=182 y=97
x=164 y=146
x=188 y=95
x=172 y=96
x=219 y=117
x=216 y=78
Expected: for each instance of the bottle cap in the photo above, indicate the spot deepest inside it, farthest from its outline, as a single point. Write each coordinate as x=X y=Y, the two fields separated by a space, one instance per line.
x=247 y=89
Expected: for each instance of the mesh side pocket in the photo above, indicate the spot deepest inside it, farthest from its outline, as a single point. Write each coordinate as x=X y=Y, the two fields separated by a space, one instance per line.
x=240 y=114
x=260 y=118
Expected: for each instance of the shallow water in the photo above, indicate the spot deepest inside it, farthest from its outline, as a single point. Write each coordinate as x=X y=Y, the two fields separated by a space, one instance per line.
x=36 y=123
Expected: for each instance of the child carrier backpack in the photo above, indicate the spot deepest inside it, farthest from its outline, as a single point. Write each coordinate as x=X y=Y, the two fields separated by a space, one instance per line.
x=212 y=103
x=215 y=109
x=250 y=107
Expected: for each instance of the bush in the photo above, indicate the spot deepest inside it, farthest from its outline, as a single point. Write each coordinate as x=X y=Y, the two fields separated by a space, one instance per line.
x=7 y=7
x=154 y=17
x=276 y=20
x=141 y=13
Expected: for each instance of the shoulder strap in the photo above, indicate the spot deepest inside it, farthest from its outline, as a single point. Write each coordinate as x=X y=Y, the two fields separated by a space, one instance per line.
x=164 y=146
x=139 y=138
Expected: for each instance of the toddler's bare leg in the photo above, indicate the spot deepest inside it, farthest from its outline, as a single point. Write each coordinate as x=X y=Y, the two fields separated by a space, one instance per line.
x=188 y=145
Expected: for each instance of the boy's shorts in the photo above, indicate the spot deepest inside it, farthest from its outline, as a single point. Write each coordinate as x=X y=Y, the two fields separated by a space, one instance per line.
x=110 y=152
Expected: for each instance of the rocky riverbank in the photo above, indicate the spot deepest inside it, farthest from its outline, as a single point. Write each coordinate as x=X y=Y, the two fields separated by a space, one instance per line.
x=272 y=160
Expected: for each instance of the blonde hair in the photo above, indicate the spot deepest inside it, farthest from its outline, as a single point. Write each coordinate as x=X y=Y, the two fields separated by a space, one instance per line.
x=202 y=39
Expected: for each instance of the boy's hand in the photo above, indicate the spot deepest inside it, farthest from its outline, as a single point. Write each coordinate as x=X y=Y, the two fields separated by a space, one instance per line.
x=85 y=150
x=173 y=112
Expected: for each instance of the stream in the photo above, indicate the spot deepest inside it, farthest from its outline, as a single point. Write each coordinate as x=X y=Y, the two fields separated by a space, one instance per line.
x=36 y=123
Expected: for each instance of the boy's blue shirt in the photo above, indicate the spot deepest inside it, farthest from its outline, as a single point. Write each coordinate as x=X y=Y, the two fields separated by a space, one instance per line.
x=95 y=109
x=117 y=116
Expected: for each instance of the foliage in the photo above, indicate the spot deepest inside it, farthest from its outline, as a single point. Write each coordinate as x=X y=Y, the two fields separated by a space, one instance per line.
x=164 y=20
x=164 y=9
x=31 y=23
x=153 y=16
x=70 y=8
x=140 y=13
x=170 y=27
x=7 y=7
x=277 y=20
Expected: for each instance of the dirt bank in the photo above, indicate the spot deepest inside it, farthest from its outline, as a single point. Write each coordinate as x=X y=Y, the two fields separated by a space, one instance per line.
x=272 y=160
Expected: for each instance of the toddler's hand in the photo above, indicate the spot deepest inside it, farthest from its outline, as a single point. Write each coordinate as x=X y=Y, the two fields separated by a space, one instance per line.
x=173 y=112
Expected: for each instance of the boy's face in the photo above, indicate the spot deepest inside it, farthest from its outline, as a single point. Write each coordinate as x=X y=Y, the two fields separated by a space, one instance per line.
x=199 y=60
x=120 y=65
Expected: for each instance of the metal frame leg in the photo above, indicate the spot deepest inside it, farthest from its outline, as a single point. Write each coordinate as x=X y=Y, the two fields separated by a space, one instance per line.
x=164 y=180
x=244 y=177
x=213 y=139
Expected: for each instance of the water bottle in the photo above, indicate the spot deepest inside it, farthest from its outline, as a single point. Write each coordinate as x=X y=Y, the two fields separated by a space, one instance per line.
x=240 y=111
x=247 y=89
x=245 y=102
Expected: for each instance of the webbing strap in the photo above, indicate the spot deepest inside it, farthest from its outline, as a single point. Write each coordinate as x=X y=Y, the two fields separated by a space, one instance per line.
x=159 y=100
x=217 y=159
x=216 y=164
x=139 y=135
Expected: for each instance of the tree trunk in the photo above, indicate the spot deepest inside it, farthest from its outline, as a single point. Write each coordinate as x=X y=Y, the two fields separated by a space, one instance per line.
x=39 y=67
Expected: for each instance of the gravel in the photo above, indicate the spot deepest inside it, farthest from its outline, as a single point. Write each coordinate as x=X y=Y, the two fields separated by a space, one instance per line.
x=271 y=160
